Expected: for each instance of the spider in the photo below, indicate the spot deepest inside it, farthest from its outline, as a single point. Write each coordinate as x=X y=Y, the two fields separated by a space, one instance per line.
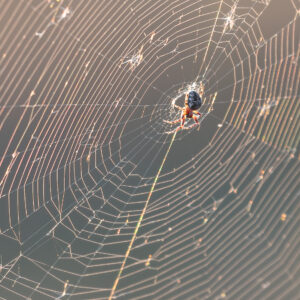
x=192 y=103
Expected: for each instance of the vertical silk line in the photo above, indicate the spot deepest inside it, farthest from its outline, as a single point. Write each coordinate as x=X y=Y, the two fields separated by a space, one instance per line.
x=140 y=220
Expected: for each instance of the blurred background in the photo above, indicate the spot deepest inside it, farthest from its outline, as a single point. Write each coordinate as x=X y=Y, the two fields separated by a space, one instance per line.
x=102 y=199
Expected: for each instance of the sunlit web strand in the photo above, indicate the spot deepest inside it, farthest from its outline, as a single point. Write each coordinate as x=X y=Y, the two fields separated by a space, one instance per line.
x=172 y=279
x=30 y=183
x=76 y=206
x=64 y=250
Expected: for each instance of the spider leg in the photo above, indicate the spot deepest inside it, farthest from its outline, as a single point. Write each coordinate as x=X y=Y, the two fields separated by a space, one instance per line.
x=196 y=120
x=172 y=122
x=192 y=126
x=197 y=113
x=178 y=107
x=177 y=121
x=182 y=123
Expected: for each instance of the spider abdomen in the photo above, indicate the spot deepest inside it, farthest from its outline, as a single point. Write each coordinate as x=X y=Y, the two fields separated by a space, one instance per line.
x=194 y=100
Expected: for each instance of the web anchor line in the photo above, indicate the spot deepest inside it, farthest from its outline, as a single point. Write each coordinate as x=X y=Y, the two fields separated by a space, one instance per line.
x=140 y=219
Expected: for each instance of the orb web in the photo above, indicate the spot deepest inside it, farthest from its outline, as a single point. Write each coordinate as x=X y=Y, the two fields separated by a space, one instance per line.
x=102 y=199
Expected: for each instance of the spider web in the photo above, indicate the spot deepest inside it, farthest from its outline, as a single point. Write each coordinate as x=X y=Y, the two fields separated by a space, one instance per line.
x=100 y=199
